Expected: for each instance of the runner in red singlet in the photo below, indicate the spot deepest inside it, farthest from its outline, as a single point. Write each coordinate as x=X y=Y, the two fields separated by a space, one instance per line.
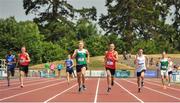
x=110 y=59
x=23 y=60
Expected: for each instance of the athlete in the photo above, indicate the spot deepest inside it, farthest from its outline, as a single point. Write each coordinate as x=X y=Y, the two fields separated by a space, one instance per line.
x=82 y=58
x=140 y=62
x=164 y=63
x=11 y=64
x=23 y=61
x=110 y=59
x=69 y=64
x=170 y=69
x=59 y=68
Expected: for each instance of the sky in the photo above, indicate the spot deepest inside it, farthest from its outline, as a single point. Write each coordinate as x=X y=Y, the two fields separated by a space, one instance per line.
x=15 y=8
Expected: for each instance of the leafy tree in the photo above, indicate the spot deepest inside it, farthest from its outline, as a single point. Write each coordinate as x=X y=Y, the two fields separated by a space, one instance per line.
x=132 y=19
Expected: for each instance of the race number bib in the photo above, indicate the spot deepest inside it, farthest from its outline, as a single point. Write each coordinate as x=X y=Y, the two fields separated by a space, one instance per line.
x=163 y=67
x=80 y=59
x=22 y=60
x=109 y=62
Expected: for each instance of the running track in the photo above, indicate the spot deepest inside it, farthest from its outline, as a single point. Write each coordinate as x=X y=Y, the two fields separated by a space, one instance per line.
x=56 y=90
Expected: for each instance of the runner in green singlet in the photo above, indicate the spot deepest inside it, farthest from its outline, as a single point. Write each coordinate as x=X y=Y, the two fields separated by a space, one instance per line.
x=82 y=58
x=164 y=68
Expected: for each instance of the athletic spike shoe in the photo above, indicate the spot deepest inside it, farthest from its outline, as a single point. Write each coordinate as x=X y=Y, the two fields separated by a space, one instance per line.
x=142 y=84
x=139 y=90
x=109 y=89
x=22 y=86
x=84 y=87
x=112 y=83
x=80 y=89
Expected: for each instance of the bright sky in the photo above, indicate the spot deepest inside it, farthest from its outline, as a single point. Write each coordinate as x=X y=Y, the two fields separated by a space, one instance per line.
x=15 y=8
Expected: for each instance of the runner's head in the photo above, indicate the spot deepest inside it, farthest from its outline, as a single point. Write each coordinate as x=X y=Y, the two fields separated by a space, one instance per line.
x=23 y=49
x=69 y=56
x=169 y=58
x=140 y=51
x=163 y=54
x=81 y=44
x=9 y=52
x=111 y=46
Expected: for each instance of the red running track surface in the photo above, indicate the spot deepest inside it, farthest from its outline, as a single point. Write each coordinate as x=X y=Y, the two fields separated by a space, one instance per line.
x=57 y=90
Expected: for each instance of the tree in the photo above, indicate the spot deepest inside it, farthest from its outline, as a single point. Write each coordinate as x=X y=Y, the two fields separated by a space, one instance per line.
x=132 y=19
x=175 y=21
x=49 y=10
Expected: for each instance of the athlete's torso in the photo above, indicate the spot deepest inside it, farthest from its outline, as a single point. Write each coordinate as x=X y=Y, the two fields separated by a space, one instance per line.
x=110 y=60
x=22 y=58
x=164 y=64
x=81 y=57
x=141 y=62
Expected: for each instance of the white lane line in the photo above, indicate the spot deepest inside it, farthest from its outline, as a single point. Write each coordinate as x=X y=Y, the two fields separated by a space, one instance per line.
x=28 y=85
x=129 y=92
x=155 y=90
x=32 y=90
x=97 y=89
x=60 y=93
x=17 y=79
x=157 y=84
x=25 y=81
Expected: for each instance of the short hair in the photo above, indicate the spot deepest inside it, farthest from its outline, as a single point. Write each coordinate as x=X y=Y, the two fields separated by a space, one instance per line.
x=81 y=41
x=140 y=49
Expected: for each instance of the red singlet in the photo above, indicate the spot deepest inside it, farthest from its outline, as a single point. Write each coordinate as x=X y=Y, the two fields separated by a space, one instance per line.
x=22 y=58
x=110 y=60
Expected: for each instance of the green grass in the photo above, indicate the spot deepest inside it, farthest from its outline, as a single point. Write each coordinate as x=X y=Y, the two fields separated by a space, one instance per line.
x=97 y=63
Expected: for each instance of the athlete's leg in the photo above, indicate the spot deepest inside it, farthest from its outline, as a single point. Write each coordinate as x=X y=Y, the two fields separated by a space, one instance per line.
x=59 y=73
x=108 y=80
x=83 y=70
x=112 y=80
x=112 y=71
x=8 y=77
x=139 y=81
x=74 y=75
x=162 y=78
x=79 y=77
x=169 y=79
x=21 y=78
x=67 y=75
x=142 y=78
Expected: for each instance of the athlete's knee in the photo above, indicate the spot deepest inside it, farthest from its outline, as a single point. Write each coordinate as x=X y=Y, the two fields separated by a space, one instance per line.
x=109 y=76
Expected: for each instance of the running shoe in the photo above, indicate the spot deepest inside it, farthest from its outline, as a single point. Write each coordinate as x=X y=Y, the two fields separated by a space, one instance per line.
x=142 y=84
x=112 y=83
x=139 y=90
x=80 y=89
x=109 y=89
x=84 y=87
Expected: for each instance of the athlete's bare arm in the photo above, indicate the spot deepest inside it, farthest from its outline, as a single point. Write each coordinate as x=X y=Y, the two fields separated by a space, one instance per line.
x=28 y=58
x=116 y=56
x=72 y=64
x=105 y=58
x=88 y=56
x=74 y=54
x=147 y=61
x=135 y=61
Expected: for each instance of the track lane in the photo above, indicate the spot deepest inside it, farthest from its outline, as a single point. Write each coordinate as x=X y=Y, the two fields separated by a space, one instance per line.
x=150 y=94
x=117 y=94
